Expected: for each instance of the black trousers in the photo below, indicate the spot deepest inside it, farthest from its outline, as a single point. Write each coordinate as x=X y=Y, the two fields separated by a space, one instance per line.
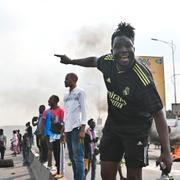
x=56 y=152
x=43 y=149
x=2 y=151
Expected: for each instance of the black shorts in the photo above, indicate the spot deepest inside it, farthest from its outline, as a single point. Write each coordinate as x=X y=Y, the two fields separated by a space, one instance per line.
x=134 y=150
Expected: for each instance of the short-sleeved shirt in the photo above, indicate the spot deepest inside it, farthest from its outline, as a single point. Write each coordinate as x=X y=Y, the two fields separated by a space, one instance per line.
x=49 y=115
x=132 y=98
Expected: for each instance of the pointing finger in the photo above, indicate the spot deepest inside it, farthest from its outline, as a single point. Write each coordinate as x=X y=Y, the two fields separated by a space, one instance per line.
x=58 y=55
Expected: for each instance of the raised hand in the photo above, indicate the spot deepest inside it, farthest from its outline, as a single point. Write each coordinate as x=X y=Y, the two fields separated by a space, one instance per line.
x=64 y=59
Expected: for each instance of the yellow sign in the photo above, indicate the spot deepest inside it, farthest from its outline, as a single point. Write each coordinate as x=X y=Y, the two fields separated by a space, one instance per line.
x=156 y=66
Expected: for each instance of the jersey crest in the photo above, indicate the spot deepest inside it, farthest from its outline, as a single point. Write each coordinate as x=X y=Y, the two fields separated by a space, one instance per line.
x=126 y=91
x=108 y=80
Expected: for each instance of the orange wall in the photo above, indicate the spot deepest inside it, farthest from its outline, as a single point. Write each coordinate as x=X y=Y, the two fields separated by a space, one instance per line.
x=156 y=66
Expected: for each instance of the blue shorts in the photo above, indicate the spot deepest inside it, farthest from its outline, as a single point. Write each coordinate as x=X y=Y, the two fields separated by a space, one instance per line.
x=133 y=149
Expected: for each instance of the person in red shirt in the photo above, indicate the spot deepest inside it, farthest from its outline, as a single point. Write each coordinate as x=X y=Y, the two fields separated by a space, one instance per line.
x=56 y=115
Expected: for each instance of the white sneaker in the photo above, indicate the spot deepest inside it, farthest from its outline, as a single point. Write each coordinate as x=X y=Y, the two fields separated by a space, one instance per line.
x=45 y=164
x=54 y=168
x=165 y=177
x=171 y=177
x=49 y=167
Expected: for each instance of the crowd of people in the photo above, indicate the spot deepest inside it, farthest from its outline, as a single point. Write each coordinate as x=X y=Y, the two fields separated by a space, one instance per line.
x=18 y=143
x=22 y=143
x=51 y=133
x=133 y=102
x=50 y=141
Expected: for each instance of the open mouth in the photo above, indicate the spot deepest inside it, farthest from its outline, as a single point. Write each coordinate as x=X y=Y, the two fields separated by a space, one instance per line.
x=124 y=60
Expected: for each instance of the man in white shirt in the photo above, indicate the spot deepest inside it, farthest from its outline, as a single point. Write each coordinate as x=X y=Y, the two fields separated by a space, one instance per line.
x=75 y=122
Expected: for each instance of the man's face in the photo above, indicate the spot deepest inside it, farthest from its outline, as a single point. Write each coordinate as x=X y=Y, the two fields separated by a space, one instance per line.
x=68 y=81
x=123 y=51
x=41 y=109
x=92 y=124
x=51 y=101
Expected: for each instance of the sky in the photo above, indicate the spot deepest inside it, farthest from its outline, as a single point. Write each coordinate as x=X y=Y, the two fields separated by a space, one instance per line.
x=33 y=31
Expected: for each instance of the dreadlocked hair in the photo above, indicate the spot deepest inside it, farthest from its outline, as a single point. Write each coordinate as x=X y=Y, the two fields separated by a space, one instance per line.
x=124 y=29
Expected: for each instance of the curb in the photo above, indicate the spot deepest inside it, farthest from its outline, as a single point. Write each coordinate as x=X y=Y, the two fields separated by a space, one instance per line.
x=39 y=171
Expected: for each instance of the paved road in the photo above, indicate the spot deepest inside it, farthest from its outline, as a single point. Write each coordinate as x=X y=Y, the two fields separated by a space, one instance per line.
x=151 y=172
x=18 y=172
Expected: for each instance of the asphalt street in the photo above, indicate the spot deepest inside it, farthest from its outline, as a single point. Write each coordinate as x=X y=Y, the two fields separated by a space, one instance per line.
x=150 y=172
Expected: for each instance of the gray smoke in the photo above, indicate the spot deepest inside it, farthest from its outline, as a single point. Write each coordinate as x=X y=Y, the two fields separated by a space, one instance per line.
x=174 y=135
x=31 y=80
x=93 y=41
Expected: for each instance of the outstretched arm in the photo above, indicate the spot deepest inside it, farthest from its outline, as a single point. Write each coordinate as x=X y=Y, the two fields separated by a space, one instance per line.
x=162 y=130
x=85 y=62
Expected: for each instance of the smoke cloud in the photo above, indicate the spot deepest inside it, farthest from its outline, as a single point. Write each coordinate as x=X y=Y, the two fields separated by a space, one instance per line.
x=93 y=41
x=31 y=80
